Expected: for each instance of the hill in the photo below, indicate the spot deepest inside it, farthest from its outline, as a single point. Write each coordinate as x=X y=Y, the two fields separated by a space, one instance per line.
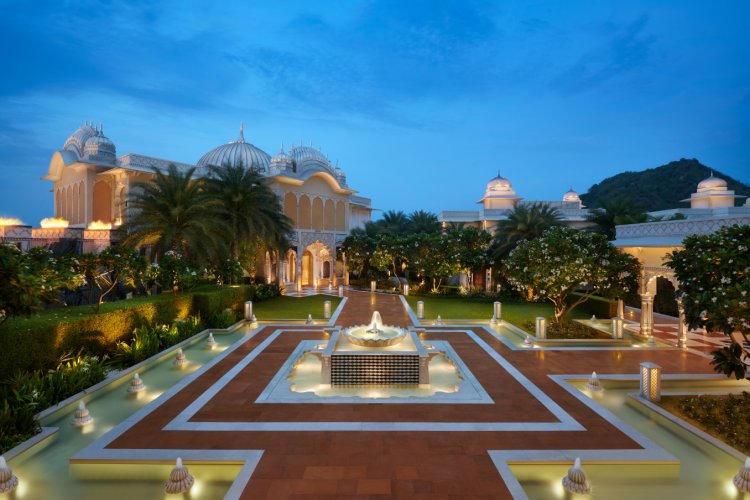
x=659 y=188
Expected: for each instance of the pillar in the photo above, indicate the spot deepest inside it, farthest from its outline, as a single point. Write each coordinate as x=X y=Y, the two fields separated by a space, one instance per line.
x=279 y=270
x=617 y=327
x=620 y=309
x=345 y=270
x=647 y=316
x=298 y=272
x=682 y=328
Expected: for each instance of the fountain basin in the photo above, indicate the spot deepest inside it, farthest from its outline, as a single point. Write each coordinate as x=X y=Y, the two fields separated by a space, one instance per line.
x=375 y=334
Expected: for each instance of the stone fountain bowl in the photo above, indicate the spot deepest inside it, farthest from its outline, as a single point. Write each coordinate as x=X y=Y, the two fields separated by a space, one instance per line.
x=385 y=336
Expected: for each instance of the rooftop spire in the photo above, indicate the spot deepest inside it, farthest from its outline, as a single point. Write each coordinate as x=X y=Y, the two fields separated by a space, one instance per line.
x=242 y=133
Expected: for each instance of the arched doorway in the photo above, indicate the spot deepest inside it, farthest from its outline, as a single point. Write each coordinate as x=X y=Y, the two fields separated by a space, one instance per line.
x=650 y=279
x=316 y=265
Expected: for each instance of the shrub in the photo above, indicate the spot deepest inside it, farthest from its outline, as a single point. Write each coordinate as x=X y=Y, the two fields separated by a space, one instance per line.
x=25 y=394
x=224 y=319
x=145 y=344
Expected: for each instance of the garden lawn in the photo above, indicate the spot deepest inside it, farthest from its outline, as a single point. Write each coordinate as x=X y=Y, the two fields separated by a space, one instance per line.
x=284 y=307
x=516 y=313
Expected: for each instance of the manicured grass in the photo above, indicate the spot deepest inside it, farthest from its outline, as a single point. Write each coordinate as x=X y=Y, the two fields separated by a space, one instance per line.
x=294 y=307
x=516 y=313
x=723 y=417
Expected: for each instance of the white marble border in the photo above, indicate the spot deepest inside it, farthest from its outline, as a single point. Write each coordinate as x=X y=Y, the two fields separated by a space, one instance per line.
x=565 y=421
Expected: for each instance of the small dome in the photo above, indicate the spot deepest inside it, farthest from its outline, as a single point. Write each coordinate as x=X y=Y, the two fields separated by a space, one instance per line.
x=571 y=196
x=236 y=153
x=77 y=140
x=308 y=153
x=499 y=186
x=712 y=182
x=100 y=148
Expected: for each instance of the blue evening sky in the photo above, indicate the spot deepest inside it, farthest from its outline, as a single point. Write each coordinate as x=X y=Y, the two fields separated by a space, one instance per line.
x=421 y=102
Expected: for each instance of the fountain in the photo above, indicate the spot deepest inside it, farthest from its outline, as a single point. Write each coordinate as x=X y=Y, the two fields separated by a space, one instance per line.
x=136 y=385
x=210 y=341
x=576 y=482
x=439 y=320
x=8 y=482
x=593 y=384
x=309 y=320
x=180 y=359
x=180 y=480
x=375 y=354
x=741 y=479
x=82 y=416
x=375 y=334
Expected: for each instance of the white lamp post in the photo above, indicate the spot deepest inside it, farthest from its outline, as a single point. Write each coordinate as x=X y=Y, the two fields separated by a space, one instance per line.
x=497 y=312
x=249 y=310
x=651 y=381
x=373 y=285
x=341 y=290
x=406 y=289
x=420 y=309
x=327 y=309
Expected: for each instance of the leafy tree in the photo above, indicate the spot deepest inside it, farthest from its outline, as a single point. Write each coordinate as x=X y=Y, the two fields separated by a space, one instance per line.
x=432 y=256
x=469 y=247
x=714 y=275
x=173 y=212
x=29 y=280
x=421 y=221
x=524 y=222
x=613 y=212
x=116 y=265
x=564 y=260
x=252 y=211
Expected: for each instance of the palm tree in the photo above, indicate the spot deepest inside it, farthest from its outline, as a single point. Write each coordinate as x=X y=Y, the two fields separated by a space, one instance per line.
x=524 y=222
x=394 y=222
x=421 y=221
x=173 y=212
x=616 y=211
x=251 y=210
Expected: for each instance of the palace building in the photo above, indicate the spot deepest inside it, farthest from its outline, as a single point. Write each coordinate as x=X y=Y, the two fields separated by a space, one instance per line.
x=91 y=186
x=499 y=199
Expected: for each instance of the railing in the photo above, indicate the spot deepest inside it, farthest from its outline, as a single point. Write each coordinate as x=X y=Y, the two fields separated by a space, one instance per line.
x=679 y=227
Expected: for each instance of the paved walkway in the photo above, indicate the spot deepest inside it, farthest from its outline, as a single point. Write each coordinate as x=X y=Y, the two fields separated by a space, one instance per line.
x=435 y=463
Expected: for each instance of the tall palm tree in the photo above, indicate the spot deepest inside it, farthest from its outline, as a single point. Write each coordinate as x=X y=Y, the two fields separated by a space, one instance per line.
x=251 y=210
x=421 y=221
x=394 y=222
x=173 y=212
x=614 y=212
x=524 y=222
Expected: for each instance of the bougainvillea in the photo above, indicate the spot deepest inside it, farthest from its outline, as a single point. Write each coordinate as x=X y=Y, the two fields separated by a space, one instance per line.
x=565 y=260
x=714 y=275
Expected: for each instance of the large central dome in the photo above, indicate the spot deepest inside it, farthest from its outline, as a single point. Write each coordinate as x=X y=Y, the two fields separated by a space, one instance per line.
x=236 y=153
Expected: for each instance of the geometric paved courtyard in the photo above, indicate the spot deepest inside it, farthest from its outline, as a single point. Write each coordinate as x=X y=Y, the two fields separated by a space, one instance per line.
x=403 y=450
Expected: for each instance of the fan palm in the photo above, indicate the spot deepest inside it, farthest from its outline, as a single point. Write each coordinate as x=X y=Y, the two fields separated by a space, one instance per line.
x=173 y=212
x=421 y=221
x=394 y=222
x=251 y=210
x=524 y=222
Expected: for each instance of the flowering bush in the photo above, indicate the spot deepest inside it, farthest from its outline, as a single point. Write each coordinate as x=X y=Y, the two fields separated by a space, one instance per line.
x=565 y=260
x=714 y=275
x=116 y=265
x=29 y=280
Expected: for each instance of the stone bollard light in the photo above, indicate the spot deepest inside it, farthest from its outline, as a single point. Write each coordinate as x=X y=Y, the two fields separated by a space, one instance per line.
x=617 y=328
x=327 y=309
x=341 y=290
x=541 y=327
x=406 y=289
x=497 y=313
x=420 y=309
x=373 y=286
x=249 y=310
x=651 y=381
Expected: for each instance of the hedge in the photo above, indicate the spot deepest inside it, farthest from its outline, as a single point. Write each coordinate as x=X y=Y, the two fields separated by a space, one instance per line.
x=38 y=342
x=599 y=306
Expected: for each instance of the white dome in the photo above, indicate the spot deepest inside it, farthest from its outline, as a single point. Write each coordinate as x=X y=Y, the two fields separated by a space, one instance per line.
x=236 y=153
x=571 y=196
x=77 y=140
x=712 y=182
x=100 y=148
x=499 y=186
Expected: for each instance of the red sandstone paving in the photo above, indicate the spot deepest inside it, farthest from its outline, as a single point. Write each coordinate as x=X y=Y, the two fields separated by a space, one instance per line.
x=324 y=464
